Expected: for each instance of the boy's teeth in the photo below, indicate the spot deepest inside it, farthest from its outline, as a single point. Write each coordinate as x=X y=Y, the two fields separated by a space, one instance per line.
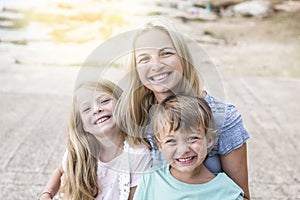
x=185 y=159
x=159 y=77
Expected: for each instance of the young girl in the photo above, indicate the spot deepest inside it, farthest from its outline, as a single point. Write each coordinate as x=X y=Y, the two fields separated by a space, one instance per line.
x=184 y=131
x=98 y=163
x=161 y=65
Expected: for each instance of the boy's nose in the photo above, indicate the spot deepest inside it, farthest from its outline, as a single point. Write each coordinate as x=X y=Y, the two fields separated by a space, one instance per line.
x=183 y=148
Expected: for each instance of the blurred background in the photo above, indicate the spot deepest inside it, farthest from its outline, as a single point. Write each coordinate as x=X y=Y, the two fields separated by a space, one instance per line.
x=254 y=45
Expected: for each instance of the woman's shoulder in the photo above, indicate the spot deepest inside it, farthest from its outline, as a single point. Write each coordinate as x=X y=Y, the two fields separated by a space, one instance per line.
x=217 y=104
x=222 y=110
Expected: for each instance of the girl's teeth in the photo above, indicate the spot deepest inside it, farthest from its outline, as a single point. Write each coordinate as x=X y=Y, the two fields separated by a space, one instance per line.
x=159 y=77
x=102 y=120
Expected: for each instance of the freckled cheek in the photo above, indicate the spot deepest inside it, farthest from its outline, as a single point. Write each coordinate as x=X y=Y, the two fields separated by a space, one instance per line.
x=201 y=149
x=169 y=153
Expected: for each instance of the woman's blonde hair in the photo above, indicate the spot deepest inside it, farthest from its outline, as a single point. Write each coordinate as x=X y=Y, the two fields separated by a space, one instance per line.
x=84 y=149
x=185 y=113
x=138 y=99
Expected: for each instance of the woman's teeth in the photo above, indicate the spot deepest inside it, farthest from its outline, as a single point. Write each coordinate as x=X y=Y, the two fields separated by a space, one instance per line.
x=159 y=77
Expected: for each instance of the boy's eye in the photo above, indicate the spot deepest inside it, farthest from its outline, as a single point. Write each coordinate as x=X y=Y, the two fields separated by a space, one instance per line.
x=170 y=141
x=192 y=139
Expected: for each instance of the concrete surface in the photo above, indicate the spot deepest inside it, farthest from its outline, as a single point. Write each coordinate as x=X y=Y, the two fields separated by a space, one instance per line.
x=35 y=102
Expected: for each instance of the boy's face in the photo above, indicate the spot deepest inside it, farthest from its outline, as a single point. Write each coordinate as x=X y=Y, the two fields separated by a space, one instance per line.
x=185 y=152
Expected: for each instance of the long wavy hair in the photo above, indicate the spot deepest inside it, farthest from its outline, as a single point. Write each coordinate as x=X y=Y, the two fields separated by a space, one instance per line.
x=138 y=99
x=80 y=177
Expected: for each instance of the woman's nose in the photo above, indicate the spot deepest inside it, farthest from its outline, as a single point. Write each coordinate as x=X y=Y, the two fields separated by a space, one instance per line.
x=155 y=59
x=156 y=63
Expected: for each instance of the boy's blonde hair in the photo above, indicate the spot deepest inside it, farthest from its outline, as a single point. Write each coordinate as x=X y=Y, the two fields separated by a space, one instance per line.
x=186 y=113
x=138 y=99
x=81 y=180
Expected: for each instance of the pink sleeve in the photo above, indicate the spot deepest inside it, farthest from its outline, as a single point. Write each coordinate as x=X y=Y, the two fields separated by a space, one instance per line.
x=140 y=162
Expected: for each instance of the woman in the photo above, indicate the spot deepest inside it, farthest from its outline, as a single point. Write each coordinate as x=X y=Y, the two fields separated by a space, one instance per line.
x=161 y=65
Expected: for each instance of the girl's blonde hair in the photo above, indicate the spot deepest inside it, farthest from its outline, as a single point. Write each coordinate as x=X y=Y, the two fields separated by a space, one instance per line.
x=84 y=149
x=186 y=113
x=138 y=99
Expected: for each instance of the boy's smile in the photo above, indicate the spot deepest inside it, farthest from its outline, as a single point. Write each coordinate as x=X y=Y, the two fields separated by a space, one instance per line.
x=185 y=152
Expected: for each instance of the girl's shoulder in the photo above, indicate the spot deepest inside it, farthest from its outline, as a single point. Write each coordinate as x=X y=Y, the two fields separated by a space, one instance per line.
x=138 y=149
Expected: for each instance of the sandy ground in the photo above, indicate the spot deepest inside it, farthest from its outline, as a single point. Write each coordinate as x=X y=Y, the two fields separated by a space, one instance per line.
x=259 y=67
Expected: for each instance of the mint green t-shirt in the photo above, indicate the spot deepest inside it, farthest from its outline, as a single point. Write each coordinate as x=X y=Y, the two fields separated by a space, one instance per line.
x=160 y=184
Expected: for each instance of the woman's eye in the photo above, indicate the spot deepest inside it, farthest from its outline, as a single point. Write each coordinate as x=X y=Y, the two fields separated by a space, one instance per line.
x=166 y=53
x=142 y=60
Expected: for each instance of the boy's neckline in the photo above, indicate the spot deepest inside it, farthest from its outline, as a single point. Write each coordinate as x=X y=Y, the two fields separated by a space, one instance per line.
x=201 y=180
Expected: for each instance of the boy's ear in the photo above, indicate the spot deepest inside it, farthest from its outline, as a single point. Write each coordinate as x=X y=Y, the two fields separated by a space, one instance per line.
x=157 y=141
x=210 y=142
x=159 y=146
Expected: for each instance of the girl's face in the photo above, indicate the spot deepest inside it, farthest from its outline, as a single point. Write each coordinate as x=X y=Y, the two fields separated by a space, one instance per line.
x=158 y=64
x=185 y=152
x=96 y=111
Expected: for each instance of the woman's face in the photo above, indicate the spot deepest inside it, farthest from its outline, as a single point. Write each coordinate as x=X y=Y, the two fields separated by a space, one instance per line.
x=158 y=64
x=96 y=111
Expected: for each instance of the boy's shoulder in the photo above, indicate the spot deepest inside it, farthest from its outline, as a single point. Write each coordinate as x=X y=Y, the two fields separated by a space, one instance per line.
x=223 y=180
x=156 y=172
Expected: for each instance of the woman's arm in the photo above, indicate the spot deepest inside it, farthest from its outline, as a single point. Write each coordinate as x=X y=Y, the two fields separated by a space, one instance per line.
x=235 y=166
x=52 y=185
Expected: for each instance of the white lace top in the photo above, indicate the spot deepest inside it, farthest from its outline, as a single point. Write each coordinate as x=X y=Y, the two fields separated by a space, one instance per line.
x=116 y=177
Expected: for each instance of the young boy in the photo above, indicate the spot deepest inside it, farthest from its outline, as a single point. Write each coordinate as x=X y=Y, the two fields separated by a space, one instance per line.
x=184 y=131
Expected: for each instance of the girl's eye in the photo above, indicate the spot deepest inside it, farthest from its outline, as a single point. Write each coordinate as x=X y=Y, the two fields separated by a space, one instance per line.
x=86 y=110
x=105 y=101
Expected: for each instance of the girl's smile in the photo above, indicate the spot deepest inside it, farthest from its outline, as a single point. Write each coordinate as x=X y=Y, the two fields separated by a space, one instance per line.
x=96 y=110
